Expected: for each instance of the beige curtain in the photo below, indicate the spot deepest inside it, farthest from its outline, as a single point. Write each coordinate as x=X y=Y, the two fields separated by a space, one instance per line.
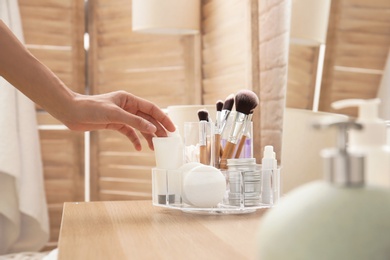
x=24 y=222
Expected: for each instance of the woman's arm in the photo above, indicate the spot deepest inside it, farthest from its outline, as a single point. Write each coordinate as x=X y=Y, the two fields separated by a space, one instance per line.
x=119 y=110
x=20 y=68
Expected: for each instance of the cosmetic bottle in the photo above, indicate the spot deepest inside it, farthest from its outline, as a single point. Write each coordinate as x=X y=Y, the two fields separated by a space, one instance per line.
x=372 y=140
x=338 y=218
x=169 y=157
x=244 y=178
x=268 y=166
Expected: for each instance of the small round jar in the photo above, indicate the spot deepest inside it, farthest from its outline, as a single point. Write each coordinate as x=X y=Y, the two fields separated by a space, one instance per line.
x=244 y=180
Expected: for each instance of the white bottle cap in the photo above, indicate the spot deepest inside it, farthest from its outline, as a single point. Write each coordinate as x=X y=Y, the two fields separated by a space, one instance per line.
x=269 y=152
x=374 y=131
x=368 y=109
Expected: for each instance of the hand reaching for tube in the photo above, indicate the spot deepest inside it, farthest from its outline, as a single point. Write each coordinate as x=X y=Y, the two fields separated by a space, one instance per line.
x=120 y=111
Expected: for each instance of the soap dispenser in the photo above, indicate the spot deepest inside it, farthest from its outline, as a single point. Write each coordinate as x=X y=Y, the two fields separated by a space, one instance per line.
x=339 y=217
x=372 y=140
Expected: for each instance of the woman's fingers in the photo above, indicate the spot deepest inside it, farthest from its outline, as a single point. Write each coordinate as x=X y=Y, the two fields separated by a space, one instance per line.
x=144 y=107
x=129 y=132
x=161 y=132
x=123 y=112
x=149 y=140
x=120 y=116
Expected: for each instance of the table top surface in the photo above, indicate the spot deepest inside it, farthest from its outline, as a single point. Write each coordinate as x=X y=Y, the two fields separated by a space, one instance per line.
x=139 y=230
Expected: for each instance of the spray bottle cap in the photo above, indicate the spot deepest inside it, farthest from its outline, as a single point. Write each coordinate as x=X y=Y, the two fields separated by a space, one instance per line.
x=374 y=132
x=269 y=152
x=342 y=167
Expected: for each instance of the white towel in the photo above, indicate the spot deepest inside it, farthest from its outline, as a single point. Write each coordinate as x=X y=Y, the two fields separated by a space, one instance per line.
x=24 y=224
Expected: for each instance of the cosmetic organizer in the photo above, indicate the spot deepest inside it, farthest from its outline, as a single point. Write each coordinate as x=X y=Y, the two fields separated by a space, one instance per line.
x=201 y=184
x=243 y=193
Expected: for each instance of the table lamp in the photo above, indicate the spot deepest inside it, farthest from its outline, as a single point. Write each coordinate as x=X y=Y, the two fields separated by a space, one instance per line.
x=166 y=16
x=309 y=21
x=309 y=26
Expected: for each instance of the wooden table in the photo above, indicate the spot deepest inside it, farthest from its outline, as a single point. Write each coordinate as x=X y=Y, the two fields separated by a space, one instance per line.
x=137 y=230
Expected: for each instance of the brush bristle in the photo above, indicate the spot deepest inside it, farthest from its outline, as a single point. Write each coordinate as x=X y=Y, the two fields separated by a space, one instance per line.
x=203 y=115
x=229 y=102
x=246 y=101
x=219 y=105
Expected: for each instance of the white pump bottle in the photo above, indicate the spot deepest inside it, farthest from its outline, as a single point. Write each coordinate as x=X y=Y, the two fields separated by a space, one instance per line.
x=337 y=218
x=372 y=140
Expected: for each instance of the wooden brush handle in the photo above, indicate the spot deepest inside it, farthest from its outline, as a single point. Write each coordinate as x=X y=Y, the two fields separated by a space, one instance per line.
x=217 y=150
x=227 y=154
x=203 y=154
x=240 y=146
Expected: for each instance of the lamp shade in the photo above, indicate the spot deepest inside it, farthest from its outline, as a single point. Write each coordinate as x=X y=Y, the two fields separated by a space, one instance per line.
x=166 y=16
x=309 y=21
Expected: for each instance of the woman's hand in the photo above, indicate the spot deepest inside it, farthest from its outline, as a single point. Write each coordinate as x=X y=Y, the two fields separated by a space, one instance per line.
x=120 y=111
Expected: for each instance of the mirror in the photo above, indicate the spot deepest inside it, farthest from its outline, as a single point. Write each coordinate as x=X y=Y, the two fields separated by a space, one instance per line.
x=354 y=56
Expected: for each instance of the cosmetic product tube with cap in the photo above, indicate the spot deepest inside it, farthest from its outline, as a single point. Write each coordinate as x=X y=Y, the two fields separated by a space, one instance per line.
x=169 y=157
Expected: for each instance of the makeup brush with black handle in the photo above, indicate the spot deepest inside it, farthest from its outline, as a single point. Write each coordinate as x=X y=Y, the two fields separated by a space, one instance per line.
x=245 y=101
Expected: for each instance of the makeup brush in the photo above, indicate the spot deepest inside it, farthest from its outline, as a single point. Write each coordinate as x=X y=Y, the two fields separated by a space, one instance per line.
x=222 y=118
x=246 y=101
x=217 y=136
x=246 y=134
x=218 y=118
x=203 y=116
x=226 y=109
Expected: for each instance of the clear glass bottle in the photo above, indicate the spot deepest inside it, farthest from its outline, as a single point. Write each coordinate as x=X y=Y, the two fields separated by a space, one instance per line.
x=244 y=182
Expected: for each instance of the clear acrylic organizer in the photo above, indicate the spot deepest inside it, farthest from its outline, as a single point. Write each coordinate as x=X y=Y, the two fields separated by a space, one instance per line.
x=248 y=187
x=244 y=193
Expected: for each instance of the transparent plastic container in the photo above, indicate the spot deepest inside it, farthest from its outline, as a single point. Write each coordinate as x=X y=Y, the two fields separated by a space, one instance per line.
x=244 y=142
x=166 y=187
x=203 y=143
x=244 y=182
x=198 y=142
x=242 y=195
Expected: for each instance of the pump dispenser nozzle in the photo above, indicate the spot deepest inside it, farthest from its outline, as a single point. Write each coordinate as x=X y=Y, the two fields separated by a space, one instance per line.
x=374 y=132
x=368 y=109
x=342 y=167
